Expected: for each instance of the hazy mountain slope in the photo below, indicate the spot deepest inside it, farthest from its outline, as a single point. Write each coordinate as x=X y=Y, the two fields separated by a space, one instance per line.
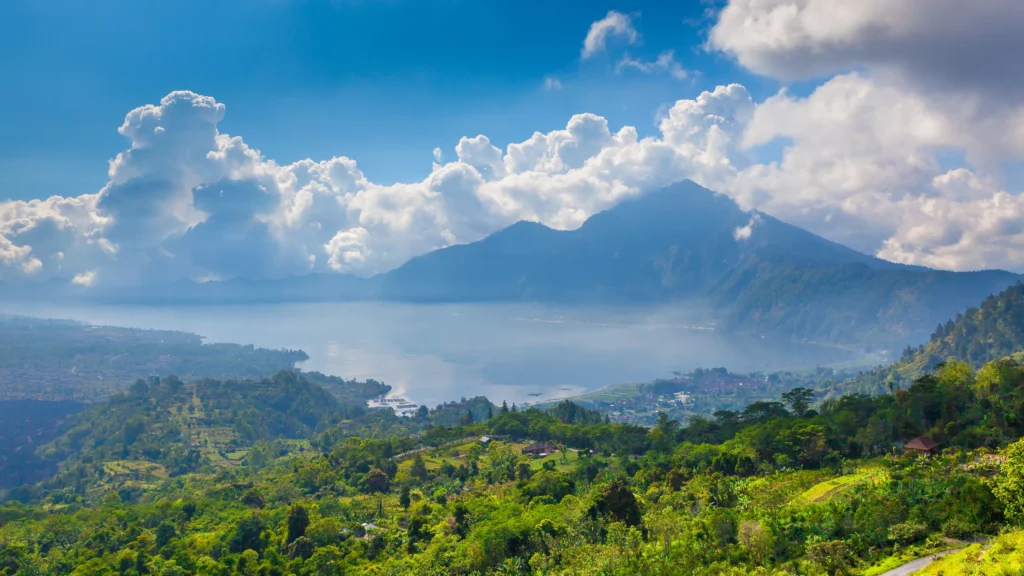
x=828 y=302
x=669 y=244
x=679 y=243
x=991 y=331
x=675 y=244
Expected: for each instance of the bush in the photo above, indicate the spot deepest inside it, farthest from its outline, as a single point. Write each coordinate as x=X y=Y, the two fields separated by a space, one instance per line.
x=907 y=532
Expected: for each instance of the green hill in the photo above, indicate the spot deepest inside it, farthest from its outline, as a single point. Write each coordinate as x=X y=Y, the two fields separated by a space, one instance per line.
x=991 y=331
x=165 y=427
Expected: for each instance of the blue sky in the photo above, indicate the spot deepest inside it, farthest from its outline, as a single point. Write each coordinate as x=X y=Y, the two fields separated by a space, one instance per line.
x=381 y=81
x=893 y=139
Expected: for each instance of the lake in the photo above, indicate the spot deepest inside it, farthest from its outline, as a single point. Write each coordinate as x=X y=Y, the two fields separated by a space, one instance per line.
x=434 y=353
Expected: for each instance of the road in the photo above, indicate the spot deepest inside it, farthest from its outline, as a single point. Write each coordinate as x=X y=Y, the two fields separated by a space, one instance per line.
x=911 y=567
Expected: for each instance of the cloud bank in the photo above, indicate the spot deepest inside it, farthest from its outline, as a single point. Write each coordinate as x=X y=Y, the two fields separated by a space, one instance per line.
x=863 y=159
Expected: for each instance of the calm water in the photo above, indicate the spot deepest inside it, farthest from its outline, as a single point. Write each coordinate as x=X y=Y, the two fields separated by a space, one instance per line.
x=433 y=353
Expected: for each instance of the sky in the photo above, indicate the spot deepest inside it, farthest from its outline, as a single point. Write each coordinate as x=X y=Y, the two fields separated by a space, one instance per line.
x=264 y=138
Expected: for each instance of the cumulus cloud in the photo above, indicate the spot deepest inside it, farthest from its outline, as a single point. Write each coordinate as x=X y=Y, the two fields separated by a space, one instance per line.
x=950 y=44
x=862 y=167
x=614 y=24
x=959 y=56
x=861 y=163
x=666 y=62
x=87 y=278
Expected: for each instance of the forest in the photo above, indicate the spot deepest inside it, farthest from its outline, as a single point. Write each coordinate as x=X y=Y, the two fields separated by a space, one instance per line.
x=782 y=487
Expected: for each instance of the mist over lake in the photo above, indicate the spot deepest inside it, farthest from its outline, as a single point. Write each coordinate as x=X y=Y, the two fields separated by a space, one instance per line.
x=434 y=353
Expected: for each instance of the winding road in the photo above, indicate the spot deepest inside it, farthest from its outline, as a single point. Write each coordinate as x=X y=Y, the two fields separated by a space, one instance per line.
x=911 y=567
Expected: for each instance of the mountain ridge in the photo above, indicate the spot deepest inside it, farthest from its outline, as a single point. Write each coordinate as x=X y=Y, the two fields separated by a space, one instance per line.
x=679 y=244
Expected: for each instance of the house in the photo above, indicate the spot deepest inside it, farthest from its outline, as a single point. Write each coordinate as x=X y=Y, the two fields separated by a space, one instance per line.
x=920 y=445
x=540 y=449
x=485 y=439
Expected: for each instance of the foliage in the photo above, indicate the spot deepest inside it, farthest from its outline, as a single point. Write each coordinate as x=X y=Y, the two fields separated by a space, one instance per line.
x=763 y=490
x=980 y=335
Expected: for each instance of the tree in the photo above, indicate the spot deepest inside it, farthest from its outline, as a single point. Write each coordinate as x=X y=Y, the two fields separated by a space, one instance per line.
x=799 y=400
x=504 y=407
x=253 y=499
x=326 y=561
x=461 y=516
x=419 y=468
x=422 y=412
x=301 y=547
x=403 y=499
x=164 y=533
x=618 y=501
x=831 y=556
x=377 y=481
x=247 y=535
x=298 y=521
x=756 y=539
x=1009 y=484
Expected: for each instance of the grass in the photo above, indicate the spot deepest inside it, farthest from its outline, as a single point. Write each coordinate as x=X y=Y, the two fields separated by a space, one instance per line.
x=456 y=455
x=133 y=467
x=1004 y=557
x=825 y=491
x=606 y=394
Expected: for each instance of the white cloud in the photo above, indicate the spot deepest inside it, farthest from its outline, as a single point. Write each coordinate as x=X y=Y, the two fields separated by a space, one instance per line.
x=552 y=83
x=960 y=57
x=860 y=164
x=87 y=278
x=862 y=167
x=666 y=62
x=347 y=249
x=946 y=43
x=614 y=24
x=743 y=233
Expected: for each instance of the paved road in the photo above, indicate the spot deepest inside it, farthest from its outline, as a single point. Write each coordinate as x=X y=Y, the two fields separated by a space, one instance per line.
x=911 y=567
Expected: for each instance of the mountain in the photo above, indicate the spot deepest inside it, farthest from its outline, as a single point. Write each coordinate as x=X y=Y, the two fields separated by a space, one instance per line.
x=675 y=243
x=989 y=332
x=681 y=243
x=678 y=244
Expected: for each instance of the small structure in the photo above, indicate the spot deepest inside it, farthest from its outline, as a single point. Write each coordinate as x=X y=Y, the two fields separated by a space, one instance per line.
x=540 y=449
x=485 y=439
x=920 y=445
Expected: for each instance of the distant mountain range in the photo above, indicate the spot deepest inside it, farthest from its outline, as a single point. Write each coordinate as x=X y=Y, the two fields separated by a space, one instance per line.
x=679 y=244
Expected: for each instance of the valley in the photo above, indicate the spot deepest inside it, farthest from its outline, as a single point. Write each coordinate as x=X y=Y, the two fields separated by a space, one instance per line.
x=795 y=471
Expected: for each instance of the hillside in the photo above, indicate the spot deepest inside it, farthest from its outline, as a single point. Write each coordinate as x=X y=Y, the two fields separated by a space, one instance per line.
x=45 y=359
x=981 y=334
x=166 y=427
x=24 y=426
x=776 y=488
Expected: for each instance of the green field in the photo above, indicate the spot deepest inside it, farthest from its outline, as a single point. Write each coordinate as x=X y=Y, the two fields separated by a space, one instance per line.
x=825 y=491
